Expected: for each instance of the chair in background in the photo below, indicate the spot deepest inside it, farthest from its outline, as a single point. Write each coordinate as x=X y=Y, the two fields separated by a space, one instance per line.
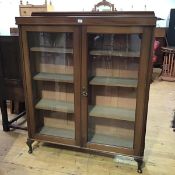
x=168 y=69
x=11 y=86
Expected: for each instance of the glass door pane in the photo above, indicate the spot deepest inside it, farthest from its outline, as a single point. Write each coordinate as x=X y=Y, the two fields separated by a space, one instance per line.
x=51 y=65
x=113 y=62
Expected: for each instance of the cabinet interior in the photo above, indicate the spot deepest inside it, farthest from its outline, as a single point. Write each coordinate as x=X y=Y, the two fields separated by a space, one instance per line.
x=112 y=62
x=51 y=60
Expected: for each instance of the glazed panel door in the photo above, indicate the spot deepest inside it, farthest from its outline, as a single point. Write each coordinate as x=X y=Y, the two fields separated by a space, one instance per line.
x=53 y=83
x=111 y=62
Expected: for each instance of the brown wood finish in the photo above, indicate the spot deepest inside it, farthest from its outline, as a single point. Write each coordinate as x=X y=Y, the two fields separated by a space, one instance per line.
x=27 y=83
x=106 y=101
x=120 y=30
x=111 y=149
x=51 y=139
x=149 y=77
x=77 y=83
x=107 y=20
x=73 y=147
x=142 y=94
x=24 y=81
x=49 y=29
x=11 y=87
x=109 y=92
x=33 y=120
x=84 y=100
x=96 y=13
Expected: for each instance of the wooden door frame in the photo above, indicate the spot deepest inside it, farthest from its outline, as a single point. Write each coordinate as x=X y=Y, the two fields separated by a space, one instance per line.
x=142 y=90
x=84 y=100
x=28 y=81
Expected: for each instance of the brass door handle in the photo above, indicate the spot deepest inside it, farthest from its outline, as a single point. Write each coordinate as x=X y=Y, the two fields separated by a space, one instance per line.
x=84 y=92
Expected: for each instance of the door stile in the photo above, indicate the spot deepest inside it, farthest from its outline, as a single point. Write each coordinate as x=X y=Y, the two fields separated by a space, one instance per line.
x=84 y=86
x=77 y=84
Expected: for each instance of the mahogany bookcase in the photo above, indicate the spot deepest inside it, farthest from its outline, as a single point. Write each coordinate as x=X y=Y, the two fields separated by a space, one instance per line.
x=87 y=78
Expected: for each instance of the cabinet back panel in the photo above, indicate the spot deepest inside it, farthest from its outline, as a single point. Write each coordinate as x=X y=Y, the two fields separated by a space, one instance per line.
x=115 y=67
x=56 y=124
x=58 y=120
x=51 y=63
x=56 y=91
x=113 y=96
x=111 y=132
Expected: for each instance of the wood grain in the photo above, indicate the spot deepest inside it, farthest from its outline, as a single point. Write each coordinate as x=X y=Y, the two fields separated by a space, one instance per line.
x=55 y=105
x=51 y=50
x=114 y=53
x=113 y=81
x=44 y=76
x=112 y=113
x=110 y=140
x=65 y=133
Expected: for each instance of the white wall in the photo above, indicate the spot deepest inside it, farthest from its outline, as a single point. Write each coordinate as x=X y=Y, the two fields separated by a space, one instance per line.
x=10 y=8
x=160 y=7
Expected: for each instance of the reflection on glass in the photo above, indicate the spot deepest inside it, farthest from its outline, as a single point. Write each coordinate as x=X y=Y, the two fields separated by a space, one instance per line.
x=51 y=60
x=113 y=78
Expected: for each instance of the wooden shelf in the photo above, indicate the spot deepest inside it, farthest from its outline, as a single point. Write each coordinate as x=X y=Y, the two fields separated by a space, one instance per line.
x=111 y=140
x=55 y=105
x=114 y=81
x=112 y=113
x=114 y=53
x=51 y=50
x=42 y=76
x=58 y=132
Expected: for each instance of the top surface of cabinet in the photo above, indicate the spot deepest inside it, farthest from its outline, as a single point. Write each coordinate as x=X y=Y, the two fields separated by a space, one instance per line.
x=90 y=18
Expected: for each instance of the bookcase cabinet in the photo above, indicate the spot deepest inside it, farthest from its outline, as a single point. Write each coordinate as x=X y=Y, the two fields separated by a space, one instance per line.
x=86 y=79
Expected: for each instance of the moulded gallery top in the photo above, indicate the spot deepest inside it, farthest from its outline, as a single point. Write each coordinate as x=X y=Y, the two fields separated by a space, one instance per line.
x=90 y=18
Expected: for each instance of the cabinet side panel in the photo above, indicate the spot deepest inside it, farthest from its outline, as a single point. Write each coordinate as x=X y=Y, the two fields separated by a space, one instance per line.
x=143 y=91
x=27 y=81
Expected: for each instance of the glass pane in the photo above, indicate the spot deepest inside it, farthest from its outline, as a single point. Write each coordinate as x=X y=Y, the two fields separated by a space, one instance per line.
x=51 y=64
x=113 y=77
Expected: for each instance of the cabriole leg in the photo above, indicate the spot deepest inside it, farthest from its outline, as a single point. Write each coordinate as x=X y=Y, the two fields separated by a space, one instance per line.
x=29 y=144
x=139 y=163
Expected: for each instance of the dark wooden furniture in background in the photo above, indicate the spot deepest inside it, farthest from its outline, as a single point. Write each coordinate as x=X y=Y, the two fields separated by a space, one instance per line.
x=168 y=68
x=87 y=80
x=11 y=87
x=160 y=35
